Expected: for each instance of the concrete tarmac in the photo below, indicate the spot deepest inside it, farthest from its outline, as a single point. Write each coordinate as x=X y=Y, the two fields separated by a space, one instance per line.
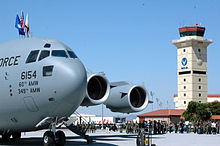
x=102 y=138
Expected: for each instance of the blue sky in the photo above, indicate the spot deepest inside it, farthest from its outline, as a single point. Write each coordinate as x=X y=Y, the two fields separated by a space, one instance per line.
x=127 y=39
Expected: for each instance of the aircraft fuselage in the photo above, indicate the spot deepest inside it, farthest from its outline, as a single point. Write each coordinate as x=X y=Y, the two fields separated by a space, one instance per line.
x=39 y=78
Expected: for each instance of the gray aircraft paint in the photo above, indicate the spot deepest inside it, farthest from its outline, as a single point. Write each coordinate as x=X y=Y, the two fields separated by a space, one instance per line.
x=57 y=95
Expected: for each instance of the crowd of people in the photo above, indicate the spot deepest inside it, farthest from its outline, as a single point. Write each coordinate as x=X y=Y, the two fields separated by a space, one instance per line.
x=158 y=127
x=199 y=127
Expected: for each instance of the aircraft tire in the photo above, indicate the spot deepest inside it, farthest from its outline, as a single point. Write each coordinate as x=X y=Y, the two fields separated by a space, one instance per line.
x=48 y=139
x=60 y=138
x=6 y=137
x=16 y=136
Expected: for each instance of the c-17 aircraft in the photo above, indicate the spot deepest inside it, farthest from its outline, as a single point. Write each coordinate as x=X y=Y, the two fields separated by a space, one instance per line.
x=43 y=82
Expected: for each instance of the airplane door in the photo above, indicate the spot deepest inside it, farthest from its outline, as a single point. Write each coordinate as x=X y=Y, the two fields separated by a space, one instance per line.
x=30 y=104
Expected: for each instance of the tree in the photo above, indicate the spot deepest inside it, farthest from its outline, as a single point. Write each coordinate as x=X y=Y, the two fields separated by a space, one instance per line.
x=203 y=112
x=214 y=107
x=190 y=113
x=197 y=111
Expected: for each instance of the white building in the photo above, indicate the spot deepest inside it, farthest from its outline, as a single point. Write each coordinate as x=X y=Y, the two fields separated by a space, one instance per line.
x=210 y=98
x=87 y=118
x=191 y=66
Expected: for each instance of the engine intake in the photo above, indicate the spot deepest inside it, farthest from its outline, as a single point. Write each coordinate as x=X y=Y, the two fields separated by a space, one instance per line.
x=137 y=97
x=98 y=89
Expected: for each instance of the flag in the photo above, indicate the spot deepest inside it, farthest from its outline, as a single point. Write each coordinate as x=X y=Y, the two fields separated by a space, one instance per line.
x=18 y=26
x=22 y=21
x=27 y=25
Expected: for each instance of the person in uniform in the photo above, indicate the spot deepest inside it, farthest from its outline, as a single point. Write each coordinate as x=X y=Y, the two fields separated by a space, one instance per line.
x=166 y=127
x=150 y=127
x=176 y=127
x=140 y=125
x=155 y=127
x=126 y=127
x=121 y=127
x=217 y=126
x=136 y=127
x=187 y=126
x=181 y=125
x=93 y=127
x=158 y=127
x=170 y=127
x=209 y=128
x=205 y=131
x=195 y=127
x=89 y=127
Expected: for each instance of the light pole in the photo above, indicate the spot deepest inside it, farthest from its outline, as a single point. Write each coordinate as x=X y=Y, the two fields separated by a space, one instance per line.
x=102 y=116
x=152 y=95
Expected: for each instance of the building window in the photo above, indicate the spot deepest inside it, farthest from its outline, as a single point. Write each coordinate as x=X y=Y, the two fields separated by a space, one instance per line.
x=199 y=50
x=184 y=102
x=184 y=94
x=184 y=72
x=199 y=87
x=184 y=87
x=199 y=79
x=184 y=80
x=184 y=50
x=199 y=72
x=200 y=94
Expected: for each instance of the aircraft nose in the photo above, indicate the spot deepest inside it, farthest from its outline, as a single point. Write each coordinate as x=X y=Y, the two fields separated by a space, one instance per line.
x=73 y=80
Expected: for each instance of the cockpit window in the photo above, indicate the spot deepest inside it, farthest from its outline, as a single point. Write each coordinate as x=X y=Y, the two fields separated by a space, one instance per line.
x=72 y=54
x=59 y=53
x=32 y=57
x=44 y=54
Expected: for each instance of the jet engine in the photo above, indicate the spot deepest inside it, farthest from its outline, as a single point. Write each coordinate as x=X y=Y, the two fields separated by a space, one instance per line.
x=98 y=89
x=126 y=97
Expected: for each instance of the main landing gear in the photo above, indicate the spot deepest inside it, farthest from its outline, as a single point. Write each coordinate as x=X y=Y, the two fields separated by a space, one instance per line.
x=7 y=136
x=54 y=137
x=49 y=139
x=58 y=138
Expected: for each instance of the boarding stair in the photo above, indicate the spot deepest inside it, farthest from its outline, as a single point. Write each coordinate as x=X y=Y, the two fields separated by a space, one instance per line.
x=78 y=129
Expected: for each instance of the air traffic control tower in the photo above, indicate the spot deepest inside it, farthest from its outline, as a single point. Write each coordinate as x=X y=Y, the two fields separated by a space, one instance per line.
x=191 y=66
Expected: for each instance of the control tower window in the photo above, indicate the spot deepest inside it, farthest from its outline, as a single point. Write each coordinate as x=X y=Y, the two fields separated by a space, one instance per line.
x=72 y=54
x=32 y=57
x=44 y=54
x=59 y=53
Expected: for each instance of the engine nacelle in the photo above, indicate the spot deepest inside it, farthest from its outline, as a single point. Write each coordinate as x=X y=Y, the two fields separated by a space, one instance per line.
x=98 y=89
x=127 y=98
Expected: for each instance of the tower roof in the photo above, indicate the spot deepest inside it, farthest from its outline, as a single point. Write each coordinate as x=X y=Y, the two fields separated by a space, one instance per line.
x=192 y=31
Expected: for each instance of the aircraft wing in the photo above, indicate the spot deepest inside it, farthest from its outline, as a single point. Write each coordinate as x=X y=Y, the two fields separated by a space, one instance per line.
x=120 y=83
